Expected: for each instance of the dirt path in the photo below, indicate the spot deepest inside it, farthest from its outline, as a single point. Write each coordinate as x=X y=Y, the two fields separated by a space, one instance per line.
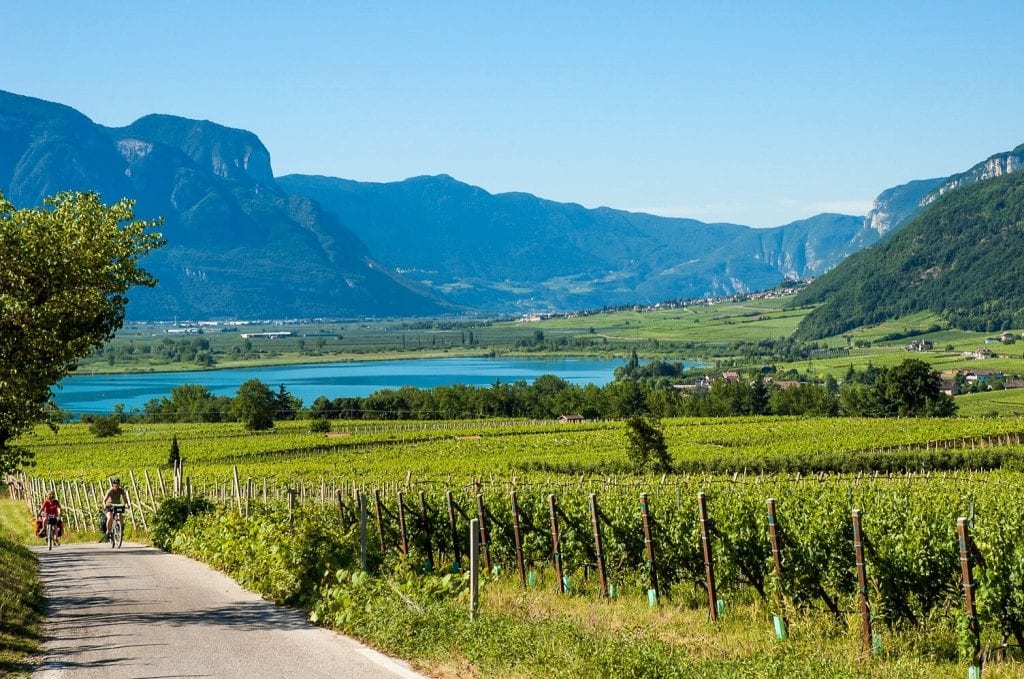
x=139 y=612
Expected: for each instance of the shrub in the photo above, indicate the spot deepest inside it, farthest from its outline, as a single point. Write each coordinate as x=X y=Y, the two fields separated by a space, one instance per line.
x=263 y=553
x=109 y=425
x=171 y=515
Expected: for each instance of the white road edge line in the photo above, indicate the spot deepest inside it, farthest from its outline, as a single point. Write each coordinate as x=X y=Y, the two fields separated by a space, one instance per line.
x=387 y=663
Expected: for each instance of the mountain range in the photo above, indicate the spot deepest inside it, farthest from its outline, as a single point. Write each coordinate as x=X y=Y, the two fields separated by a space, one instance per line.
x=961 y=257
x=515 y=250
x=237 y=244
x=244 y=243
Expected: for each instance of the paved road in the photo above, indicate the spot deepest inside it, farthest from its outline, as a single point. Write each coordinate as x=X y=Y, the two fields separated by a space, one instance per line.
x=138 y=612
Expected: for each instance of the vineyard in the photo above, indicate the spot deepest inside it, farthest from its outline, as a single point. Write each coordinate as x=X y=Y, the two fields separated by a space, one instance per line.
x=771 y=534
x=370 y=452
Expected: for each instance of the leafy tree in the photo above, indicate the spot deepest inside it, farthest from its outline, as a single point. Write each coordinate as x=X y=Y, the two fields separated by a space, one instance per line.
x=286 y=406
x=647 y=449
x=189 y=403
x=107 y=425
x=759 y=396
x=627 y=399
x=912 y=389
x=66 y=269
x=254 y=405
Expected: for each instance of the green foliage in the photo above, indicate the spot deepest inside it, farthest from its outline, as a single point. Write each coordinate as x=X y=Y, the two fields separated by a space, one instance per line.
x=105 y=426
x=263 y=553
x=171 y=515
x=21 y=608
x=66 y=269
x=254 y=405
x=911 y=389
x=647 y=450
x=319 y=426
x=189 y=403
x=352 y=600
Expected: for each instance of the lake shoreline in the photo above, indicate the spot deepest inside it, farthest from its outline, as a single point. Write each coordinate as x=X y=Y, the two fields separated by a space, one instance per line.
x=104 y=393
x=311 y=360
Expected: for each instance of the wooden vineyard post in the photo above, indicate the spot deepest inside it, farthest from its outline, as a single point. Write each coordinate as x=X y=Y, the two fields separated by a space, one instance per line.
x=709 y=561
x=361 y=501
x=82 y=504
x=149 y=489
x=341 y=509
x=379 y=509
x=517 y=537
x=236 y=489
x=131 y=507
x=69 y=501
x=862 y=582
x=652 y=571
x=453 y=530
x=481 y=513
x=425 y=520
x=773 y=538
x=556 y=543
x=138 y=499
x=474 y=567
x=598 y=546
x=401 y=525
x=967 y=571
x=291 y=508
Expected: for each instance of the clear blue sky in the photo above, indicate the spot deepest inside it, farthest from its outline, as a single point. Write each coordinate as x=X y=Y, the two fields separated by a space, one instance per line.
x=751 y=112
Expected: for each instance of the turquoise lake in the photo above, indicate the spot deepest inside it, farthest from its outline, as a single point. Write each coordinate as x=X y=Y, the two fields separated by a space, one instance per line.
x=100 y=393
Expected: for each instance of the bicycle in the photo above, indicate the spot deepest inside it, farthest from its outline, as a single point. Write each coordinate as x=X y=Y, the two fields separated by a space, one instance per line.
x=50 y=521
x=116 y=535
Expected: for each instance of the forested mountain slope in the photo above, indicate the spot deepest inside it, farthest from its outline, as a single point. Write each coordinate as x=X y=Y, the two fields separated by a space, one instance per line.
x=962 y=257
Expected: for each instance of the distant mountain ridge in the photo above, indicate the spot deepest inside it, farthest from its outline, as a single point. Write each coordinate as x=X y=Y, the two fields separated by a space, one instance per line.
x=517 y=251
x=237 y=244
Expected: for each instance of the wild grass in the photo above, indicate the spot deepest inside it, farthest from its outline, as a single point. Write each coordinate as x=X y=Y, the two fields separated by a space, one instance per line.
x=20 y=593
x=526 y=633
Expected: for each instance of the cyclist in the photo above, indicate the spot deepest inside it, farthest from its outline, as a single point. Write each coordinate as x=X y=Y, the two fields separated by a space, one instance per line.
x=50 y=512
x=115 y=496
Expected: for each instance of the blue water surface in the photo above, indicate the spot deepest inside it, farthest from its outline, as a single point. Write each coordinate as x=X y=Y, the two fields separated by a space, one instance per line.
x=100 y=393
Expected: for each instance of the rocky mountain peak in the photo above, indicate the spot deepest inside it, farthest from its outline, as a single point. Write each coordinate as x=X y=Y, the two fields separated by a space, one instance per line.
x=228 y=153
x=897 y=205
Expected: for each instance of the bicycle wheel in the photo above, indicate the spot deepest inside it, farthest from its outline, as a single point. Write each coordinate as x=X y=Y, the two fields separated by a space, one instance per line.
x=118 y=537
x=49 y=534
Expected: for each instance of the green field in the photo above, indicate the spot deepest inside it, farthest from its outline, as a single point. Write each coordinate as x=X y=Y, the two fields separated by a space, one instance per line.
x=370 y=452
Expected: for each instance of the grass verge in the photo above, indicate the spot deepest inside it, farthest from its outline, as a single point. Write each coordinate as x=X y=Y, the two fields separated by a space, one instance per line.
x=536 y=633
x=21 y=597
